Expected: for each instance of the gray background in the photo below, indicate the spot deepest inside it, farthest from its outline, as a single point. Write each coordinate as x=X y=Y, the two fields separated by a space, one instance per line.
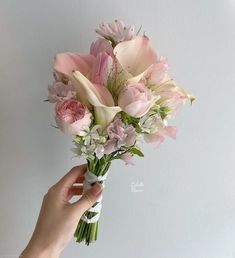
x=187 y=207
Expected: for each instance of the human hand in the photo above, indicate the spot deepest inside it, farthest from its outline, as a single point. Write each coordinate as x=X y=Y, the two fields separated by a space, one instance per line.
x=58 y=217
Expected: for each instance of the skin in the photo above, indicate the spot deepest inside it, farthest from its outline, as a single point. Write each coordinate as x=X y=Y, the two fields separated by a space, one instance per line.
x=59 y=217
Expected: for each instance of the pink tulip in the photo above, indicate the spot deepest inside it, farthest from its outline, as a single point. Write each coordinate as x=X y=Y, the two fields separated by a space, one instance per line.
x=136 y=100
x=101 y=45
x=72 y=116
x=60 y=91
x=102 y=69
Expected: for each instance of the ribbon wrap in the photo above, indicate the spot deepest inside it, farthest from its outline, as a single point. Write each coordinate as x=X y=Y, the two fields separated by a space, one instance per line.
x=90 y=179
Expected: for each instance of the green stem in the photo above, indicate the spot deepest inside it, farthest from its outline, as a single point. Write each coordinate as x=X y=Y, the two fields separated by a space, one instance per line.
x=88 y=232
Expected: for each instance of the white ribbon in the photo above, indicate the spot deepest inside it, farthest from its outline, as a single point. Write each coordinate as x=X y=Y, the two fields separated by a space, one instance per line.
x=91 y=178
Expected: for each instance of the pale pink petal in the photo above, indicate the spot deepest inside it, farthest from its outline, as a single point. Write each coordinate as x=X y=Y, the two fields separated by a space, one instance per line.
x=74 y=128
x=65 y=63
x=102 y=69
x=170 y=131
x=136 y=55
x=109 y=147
x=134 y=108
x=101 y=45
x=99 y=151
x=157 y=139
x=127 y=158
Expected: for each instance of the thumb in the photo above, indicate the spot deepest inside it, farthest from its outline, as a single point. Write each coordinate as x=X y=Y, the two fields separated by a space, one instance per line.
x=89 y=197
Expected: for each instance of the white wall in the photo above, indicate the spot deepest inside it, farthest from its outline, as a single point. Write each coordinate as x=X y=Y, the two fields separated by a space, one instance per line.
x=187 y=208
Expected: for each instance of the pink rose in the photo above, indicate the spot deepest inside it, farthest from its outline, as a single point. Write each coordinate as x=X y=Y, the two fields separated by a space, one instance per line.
x=136 y=100
x=72 y=116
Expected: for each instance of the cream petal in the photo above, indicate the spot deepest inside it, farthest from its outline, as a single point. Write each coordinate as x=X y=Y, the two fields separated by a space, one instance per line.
x=136 y=55
x=100 y=98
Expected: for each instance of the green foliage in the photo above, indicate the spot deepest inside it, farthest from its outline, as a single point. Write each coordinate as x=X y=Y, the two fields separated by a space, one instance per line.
x=163 y=111
x=134 y=121
x=192 y=99
x=136 y=151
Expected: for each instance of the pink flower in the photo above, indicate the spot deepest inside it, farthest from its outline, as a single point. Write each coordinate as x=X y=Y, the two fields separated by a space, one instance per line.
x=72 y=116
x=158 y=138
x=171 y=95
x=116 y=31
x=88 y=74
x=155 y=73
x=60 y=91
x=119 y=136
x=136 y=55
x=128 y=158
x=136 y=100
x=101 y=45
x=102 y=69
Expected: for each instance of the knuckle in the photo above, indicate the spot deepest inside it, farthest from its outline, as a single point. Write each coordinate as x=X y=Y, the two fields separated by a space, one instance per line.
x=51 y=190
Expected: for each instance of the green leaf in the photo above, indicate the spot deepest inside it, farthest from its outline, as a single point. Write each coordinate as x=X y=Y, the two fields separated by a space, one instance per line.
x=192 y=99
x=130 y=120
x=136 y=151
x=163 y=111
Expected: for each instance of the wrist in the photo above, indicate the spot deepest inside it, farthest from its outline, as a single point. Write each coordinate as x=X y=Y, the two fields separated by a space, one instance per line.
x=36 y=251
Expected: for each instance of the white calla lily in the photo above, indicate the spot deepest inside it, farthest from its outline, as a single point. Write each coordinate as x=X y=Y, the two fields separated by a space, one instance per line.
x=99 y=97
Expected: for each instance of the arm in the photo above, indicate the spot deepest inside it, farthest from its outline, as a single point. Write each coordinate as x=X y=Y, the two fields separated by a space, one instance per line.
x=58 y=217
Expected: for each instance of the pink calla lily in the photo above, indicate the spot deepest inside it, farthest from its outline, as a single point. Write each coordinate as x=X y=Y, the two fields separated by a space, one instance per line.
x=136 y=55
x=65 y=63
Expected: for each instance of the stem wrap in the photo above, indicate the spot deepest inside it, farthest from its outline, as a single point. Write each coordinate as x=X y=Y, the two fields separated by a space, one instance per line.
x=90 y=179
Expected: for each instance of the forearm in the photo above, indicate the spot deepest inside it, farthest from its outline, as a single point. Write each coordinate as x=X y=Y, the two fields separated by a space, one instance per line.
x=35 y=251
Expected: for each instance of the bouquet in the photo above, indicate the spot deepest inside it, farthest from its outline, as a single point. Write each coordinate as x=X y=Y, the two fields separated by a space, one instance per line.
x=109 y=101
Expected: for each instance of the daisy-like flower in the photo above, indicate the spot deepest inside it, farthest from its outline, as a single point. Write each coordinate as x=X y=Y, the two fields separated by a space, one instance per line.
x=90 y=142
x=116 y=31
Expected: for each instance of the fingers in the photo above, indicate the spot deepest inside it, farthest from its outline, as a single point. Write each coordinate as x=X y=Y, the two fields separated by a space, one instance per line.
x=73 y=191
x=88 y=198
x=75 y=175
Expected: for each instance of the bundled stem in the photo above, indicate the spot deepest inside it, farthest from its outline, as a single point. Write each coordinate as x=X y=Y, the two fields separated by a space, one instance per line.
x=88 y=232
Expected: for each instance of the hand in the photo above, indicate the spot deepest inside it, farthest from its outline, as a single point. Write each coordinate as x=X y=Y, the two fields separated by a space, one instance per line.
x=58 y=217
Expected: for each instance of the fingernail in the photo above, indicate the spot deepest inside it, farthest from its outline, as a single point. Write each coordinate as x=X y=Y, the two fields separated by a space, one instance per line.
x=96 y=189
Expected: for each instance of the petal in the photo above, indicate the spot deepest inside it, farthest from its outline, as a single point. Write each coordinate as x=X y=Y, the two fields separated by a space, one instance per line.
x=157 y=139
x=127 y=158
x=102 y=69
x=104 y=115
x=99 y=97
x=135 y=55
x=65 y=63
x=101 y=45
x=171 y=131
